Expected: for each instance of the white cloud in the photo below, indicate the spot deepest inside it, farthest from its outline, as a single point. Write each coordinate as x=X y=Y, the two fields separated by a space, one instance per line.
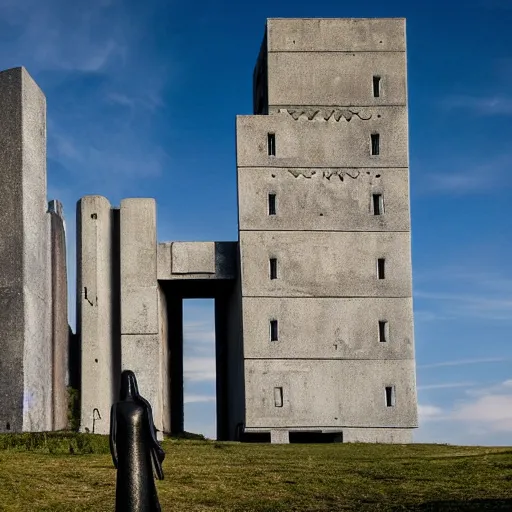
x=191 y=399
x=198 y=369
x=482 y=105
x=446 y=385
x=427 y=412
x=460 y=362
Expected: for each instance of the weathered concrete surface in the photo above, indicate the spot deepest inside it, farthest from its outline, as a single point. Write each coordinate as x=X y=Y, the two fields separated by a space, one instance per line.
x=324 y=143
x=60 y=328
x=141 y=349
x=96 y=295
x=328 y=368
x=336 y=34
x=334 y=79
x=329 y=393
x=25 y=341
x=279 y=436
x=320 y=264
x=311 y=199
x=329 y=328
x=196 y=260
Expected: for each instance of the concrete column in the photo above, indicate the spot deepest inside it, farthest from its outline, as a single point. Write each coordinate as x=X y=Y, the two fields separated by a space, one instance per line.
x=95 y=322
x=279 y=437
x=175 y=313
x=60 y=329
x=25 y=301
x=141 y=349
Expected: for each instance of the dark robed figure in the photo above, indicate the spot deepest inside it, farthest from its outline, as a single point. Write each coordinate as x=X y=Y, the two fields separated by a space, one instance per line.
x=135 y=449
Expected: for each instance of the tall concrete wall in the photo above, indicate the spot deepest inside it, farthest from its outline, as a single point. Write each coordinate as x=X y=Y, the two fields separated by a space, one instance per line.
x=96 y=320
x=313 y=348
x=60 y=328
x=25 y=301
x=141 y=319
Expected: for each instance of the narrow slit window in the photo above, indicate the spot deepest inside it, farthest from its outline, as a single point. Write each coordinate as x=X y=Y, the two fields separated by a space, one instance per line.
x=378 y=204
x=381 y=268
x=278 y=397
x=271 y=204
x=376 y=86
x=273 y=268
x=274 y=335
x=375 y=144
x=271 y=144
x=390 y=396
x=383 y=331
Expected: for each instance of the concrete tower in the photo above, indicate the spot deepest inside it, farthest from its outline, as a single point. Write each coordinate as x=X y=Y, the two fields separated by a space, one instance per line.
x=324 y=233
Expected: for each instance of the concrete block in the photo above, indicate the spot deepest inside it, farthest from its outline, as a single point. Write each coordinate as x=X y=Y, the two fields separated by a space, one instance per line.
x=377 y=435
x=304 y=138
x=142 y=354
x=139 y=311
x=163 y=259
x=325 y=264
x=60 y=328
x=193 y=258
x=96 y=318
x=336 y=34
x=335 y=79
x=323 y=199
x=329 y=393
x=279 y=437
x=25 y=341
x=328 y=328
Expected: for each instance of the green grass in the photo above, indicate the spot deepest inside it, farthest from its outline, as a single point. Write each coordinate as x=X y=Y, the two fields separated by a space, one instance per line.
x=58 y=472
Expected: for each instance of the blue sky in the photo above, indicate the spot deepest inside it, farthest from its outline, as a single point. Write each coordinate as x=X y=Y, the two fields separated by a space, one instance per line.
x=142 y=98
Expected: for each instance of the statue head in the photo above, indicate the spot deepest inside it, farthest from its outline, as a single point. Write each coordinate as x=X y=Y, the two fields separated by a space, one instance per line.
x=129 y=388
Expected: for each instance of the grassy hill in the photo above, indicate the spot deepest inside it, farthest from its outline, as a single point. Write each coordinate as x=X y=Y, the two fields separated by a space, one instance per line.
x=75 y=473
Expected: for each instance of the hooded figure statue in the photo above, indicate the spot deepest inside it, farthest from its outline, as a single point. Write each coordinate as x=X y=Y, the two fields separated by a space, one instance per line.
x=135 y=449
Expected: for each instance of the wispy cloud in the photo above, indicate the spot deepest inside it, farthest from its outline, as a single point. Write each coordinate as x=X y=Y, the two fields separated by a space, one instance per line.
x=446 y=385
x=461 y=362
x=481 y=105
x=197 y=369
x=191 y=399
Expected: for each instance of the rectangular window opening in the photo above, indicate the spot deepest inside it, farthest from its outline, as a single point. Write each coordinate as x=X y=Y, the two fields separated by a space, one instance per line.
x=381 y=268
x=375 y=144
x=378 y=204
x=390 y=396
x=271 y=204
x=278 y=397
x=273 y=268
x=383 y=331
x=271 y=144
x=273 y=330
x=376 y=86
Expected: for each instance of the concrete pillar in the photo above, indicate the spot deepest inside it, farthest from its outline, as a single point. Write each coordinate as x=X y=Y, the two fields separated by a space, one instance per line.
x=25 y=301
x=141 y=349
x=279 y=437
x=60 y=328
x=175 y=315
x=96 y=296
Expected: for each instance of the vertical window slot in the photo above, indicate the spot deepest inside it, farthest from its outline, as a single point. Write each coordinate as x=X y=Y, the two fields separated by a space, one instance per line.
x=383 y=331
x=378 y=204
x=271 y=144
x=376 y=86
x=278 y=397
x=273 y=268
x=390 y=396
x=375 y=144
x=381 y=268
x=273 y=330
x=271 y=204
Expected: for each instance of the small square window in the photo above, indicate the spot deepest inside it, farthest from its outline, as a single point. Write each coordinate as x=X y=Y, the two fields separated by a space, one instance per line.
x=383 y=331
x=273 y=330
x=375 y=144
x=378 y=204
x=273 y=268
x=381 y=268
x=271 y=144
x=390 y=396
x=376 y=86
x=278 y=397
x=271 y=204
